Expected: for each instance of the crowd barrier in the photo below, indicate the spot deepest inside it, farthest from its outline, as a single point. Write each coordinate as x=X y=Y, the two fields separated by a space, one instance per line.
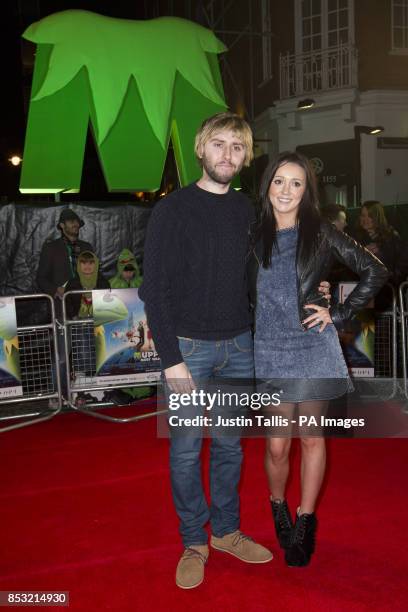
x=53 y=352
x=386 y=343
x=39 y=368
x=80 y=358
x=403 y=311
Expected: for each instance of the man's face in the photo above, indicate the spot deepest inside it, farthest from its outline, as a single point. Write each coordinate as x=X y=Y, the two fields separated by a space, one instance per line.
x=70 y=228
x=87 y=267
x=341 y=221
x=222 y=156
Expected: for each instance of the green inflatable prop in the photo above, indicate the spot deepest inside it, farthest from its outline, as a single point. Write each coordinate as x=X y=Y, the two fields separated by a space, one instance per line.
x=138 y=84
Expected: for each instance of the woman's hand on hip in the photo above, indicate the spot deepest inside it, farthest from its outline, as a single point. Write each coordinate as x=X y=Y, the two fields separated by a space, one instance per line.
x=321 y=316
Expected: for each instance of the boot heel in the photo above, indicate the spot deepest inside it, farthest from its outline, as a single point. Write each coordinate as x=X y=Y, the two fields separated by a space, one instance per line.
x=283 y=522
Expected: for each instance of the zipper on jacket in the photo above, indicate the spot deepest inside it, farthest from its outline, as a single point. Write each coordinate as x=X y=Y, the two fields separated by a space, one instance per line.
x=256 y=289
x=299 y=278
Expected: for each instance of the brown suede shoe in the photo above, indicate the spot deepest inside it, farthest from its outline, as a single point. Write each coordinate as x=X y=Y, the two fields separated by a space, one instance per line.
x=243 y=547
x=190 y=568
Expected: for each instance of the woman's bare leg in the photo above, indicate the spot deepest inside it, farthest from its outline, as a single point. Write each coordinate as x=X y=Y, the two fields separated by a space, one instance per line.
x=313 y=463
x=277 y=457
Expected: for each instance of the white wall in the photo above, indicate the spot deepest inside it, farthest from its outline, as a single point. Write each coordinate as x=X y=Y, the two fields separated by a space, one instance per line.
x=393 y=188
x=389 y=109
x=333 y=118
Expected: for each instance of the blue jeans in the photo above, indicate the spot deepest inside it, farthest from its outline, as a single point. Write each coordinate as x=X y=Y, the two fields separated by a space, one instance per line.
x=209 y=360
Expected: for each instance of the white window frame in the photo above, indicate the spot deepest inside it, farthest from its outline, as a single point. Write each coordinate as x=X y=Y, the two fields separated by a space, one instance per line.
x=324 y=15
x=399 y=50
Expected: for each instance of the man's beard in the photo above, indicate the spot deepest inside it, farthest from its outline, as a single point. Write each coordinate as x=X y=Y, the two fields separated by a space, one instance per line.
x=71 y=235
x=216 y=176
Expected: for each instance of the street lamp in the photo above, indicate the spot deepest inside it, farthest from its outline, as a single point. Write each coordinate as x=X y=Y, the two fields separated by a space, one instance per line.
x=370 y=131
x=305 y=104
x=15 y=160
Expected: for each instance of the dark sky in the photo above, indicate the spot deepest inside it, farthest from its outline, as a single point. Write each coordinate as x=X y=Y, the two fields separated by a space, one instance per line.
x=15 y=17
x=16 y=64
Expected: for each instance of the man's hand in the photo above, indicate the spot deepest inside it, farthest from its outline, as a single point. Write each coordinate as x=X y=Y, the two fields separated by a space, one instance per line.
x=179 y=378
x=59 y=292
x=324 y=288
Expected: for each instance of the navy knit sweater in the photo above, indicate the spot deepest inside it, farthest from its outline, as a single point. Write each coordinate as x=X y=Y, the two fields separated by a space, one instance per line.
x=194 y=280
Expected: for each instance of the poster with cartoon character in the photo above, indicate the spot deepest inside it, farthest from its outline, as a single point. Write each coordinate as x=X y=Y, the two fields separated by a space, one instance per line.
x=125 y=351
x=358 y=337
x=10 y=377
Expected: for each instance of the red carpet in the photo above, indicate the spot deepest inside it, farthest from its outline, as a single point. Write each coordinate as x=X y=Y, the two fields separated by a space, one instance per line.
x=86 y=508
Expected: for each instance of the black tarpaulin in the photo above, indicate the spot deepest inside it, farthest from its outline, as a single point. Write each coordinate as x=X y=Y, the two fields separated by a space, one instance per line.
x=24 y=228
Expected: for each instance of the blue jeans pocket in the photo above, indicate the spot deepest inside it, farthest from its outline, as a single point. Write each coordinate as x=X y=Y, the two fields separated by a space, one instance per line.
x=187 y=346
x=244 y=342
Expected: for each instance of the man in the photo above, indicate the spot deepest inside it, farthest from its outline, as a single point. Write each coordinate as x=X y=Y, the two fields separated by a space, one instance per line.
x=196 y=299
x=57 y=265
x=336 y=215
x=58 y=259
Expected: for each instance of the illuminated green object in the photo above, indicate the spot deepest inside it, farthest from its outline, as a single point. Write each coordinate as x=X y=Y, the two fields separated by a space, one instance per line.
x=139 y=83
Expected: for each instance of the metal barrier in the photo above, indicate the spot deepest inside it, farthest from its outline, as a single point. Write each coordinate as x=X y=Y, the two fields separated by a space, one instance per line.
x=403 y=305
x=39 y=369
x=40 y=361
x=386 y=341
x=385 y=345
x=81 y=367
x=384 y=383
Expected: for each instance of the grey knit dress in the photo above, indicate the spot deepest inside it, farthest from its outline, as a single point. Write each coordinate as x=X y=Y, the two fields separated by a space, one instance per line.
x=302 y=365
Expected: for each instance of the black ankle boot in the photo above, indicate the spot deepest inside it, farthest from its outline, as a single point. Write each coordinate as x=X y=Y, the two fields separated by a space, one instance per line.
x=303 y=541
x=283 y=522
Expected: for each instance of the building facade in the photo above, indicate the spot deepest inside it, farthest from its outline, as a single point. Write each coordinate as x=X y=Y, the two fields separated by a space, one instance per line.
x=347 y=61
x=350 y=57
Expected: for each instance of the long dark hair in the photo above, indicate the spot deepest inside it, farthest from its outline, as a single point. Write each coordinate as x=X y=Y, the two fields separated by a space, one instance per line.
x=376 y=212
x=308 y=218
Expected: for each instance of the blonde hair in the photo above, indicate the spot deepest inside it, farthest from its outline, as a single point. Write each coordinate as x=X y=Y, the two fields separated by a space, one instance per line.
x=225 y=121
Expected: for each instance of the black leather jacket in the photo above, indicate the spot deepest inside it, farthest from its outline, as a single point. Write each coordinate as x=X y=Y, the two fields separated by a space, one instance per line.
x=332 y=245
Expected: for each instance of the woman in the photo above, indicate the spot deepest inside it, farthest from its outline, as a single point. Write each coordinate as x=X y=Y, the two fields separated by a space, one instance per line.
x=382 y=240
x=87 y=277
x=296 y=345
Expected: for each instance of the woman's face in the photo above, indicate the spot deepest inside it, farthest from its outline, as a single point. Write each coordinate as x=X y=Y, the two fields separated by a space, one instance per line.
x=366 y=222
x=286 y=192
x=87 y=267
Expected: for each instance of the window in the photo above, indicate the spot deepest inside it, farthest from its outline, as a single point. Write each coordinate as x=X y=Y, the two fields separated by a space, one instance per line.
x=337 y=23
x=324 y=40
x=323 y=24
x=266 y=41
x=311 y=25
x=399 y=26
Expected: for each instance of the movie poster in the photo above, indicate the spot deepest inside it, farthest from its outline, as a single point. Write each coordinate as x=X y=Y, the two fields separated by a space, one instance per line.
x=125 y=351
x=10 y=377
x=357 y=338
